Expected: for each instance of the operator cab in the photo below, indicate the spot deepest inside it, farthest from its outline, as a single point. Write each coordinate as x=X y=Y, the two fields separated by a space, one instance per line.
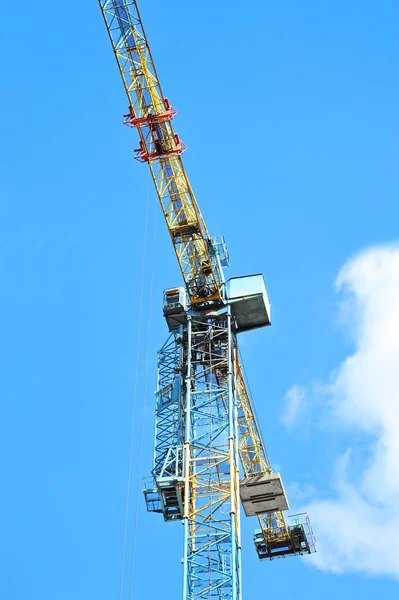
x=175 y=306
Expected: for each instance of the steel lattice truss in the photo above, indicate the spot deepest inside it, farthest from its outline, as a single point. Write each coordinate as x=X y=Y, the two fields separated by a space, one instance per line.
x=198 y=406
x=211 y=463
x=169 y=410
x=253 y=455
x=205 y=423
x=152 y=114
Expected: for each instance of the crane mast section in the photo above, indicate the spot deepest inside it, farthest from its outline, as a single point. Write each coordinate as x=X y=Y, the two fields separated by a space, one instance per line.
x=151 y=114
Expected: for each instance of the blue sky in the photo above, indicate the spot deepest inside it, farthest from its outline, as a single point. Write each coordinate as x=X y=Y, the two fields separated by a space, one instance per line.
x=290 y=114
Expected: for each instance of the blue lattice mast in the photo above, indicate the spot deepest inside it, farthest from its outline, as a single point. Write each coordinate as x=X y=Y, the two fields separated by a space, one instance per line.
x=196 y=457
x=212 y=544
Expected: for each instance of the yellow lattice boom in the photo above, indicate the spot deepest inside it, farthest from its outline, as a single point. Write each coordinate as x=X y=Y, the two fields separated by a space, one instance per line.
x=151 y=114
x=253 y=455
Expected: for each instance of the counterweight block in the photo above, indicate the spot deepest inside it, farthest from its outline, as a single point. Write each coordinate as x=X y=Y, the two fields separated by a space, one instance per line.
x=263 y=494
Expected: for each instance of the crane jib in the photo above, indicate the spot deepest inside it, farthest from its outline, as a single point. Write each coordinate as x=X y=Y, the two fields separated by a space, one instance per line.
x=159 y=146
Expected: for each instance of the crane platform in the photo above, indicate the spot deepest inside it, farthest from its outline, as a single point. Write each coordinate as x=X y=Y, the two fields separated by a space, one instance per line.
x=165 y=495
x=300 y=540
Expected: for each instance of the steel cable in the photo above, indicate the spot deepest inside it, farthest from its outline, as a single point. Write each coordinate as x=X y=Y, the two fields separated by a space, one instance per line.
x=144 y=402
x=134 y=394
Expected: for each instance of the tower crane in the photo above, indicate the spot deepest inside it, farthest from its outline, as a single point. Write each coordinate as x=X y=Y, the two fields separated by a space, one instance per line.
x=205 y=421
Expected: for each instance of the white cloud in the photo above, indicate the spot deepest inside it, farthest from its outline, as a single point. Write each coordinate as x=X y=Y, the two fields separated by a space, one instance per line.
x=358 y=529
x=294 y=403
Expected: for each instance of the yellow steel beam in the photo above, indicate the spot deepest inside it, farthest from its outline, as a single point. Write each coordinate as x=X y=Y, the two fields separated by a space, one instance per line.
x=253 y=455
x=151 y=113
